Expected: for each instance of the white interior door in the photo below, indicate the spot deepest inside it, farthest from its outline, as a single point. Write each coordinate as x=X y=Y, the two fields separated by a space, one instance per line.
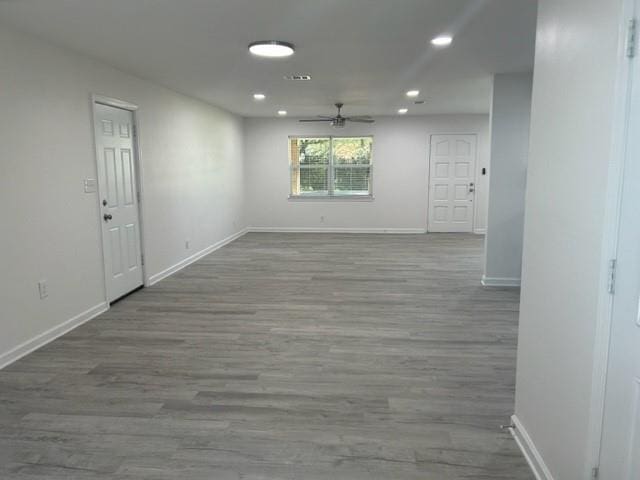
x=620 y=455
x=119 y=200
x=452 y=168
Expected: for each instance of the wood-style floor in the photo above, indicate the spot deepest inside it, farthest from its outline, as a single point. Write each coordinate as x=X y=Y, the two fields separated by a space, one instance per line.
x=281 y=356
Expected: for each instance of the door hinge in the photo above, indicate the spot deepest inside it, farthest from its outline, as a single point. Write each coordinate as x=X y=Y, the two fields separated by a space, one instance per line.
x=595 y=472
x=632 y=38
x=135 y=130
x=142 y=258
x=611 y=284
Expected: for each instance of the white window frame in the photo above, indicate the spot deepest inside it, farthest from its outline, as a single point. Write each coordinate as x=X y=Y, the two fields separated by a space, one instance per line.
x=330 y=174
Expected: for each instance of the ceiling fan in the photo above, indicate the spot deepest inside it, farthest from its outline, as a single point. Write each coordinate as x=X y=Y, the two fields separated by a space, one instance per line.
x=338 y=121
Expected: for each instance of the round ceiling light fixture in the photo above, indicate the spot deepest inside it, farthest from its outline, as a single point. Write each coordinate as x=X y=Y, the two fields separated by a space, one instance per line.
x=403 y=111
x=413 y=93
x=272 y=49
x=442 y=41
x=282 y=113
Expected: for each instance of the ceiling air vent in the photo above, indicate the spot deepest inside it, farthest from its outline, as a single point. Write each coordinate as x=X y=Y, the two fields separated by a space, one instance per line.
x=298 y=77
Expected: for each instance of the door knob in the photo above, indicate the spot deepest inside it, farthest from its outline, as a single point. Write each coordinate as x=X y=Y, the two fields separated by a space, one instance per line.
x=107 y=217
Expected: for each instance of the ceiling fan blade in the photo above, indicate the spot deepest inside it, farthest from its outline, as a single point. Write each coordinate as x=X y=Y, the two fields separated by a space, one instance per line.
x=360 y=119
x=338 y=121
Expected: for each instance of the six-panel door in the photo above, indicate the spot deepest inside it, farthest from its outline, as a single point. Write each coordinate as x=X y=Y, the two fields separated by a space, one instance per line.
x=620 y=453
x=119 y=200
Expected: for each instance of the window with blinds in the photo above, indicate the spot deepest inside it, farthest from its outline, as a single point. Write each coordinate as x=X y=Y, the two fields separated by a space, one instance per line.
x=330 y=166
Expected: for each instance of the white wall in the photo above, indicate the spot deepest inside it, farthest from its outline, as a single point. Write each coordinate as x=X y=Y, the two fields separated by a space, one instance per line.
x=577 y=54
x=193 y=181
x=510 y=119
x=400 y=174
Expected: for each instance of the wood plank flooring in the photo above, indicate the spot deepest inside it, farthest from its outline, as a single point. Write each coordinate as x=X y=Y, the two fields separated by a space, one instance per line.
x=281 y=356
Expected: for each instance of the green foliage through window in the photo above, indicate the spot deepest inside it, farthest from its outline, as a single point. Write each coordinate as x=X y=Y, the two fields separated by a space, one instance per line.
x=330 y=166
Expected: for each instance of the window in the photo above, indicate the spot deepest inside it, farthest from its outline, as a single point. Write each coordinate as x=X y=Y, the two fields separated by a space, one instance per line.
x=330 y=166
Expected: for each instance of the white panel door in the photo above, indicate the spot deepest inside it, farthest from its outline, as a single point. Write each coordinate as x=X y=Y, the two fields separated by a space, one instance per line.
x=620 y=455
x=452 y=169
x=119 y=200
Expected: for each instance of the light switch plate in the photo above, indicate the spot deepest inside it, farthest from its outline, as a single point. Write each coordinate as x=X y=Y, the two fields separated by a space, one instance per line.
x=90 y=185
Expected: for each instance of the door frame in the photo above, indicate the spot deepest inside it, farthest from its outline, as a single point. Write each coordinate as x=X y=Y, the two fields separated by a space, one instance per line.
x=133 y=108
x=618 y=156
x=475 y=177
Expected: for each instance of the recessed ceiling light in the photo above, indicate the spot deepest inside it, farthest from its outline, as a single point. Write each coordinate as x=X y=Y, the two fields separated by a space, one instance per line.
x=272 y=49
x=442 y=41
x=282 y=113
x=413 y=93
x=259 y=96
x=402 y=111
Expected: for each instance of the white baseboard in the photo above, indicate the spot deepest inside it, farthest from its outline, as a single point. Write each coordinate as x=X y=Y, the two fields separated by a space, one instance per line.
x=153 y=279
x=43 y=338
x=335 y=230
x=500 y=282
x=529 y=450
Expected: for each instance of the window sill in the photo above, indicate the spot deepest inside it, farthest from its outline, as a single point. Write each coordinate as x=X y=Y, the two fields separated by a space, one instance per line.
x=331 y=198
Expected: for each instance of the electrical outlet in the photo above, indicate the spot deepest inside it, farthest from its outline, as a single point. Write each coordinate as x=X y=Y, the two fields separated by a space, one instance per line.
x=43 y=289
x=187 y=244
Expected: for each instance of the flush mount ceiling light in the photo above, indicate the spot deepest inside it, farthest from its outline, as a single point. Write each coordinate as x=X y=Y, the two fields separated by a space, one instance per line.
x=413 y=93
x=272 y=49
x=259 y=96
x=282 y=113
x=442 y=40
x=403 y=111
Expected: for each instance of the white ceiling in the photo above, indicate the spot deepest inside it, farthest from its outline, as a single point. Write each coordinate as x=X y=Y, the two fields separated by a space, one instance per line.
x=365 y=53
